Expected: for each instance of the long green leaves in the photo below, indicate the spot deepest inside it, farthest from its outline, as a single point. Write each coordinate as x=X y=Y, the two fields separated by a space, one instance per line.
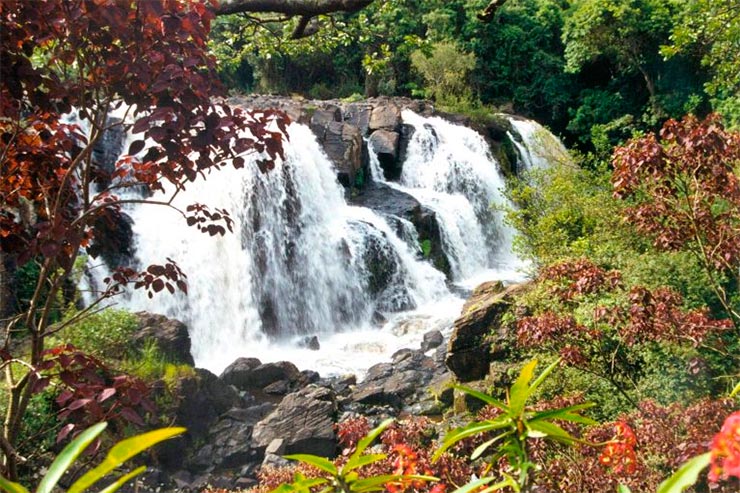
x=686 y=475
x=120 y=453
x=67 y=457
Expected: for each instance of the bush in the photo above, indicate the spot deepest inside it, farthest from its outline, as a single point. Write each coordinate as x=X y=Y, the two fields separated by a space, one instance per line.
x=106 y=333
x=445 y=71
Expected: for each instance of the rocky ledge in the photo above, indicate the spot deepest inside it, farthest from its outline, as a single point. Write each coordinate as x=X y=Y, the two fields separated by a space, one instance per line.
x=254 y=412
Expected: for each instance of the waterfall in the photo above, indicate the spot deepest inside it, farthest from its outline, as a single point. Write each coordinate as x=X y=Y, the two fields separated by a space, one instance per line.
x=299 y=262
x=449 y=169
x=537 y=147
x=302 y=262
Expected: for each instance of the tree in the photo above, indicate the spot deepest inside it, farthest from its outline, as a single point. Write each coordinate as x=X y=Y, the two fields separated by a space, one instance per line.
x=711 y=28
x=685 y=194
x=149 y=60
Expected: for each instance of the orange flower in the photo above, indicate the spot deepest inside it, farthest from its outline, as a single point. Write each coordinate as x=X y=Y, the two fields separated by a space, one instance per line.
x=725 y=452
x=619 y=454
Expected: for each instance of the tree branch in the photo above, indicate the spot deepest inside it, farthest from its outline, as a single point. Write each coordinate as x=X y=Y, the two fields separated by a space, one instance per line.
x=309 y=8
x=487 y=14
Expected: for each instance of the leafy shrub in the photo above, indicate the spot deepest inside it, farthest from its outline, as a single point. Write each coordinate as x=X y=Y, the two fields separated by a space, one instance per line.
x=106 y=333
x=445 y=72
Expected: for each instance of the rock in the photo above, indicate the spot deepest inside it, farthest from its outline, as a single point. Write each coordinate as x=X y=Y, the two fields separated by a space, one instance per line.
x=358 y=114
x=304 y=420
x=385 y=143
x=310 y=342
x=400 y=384
x=171 y=336
x=113 y=238
x=432 y=340
x=478 y=337
x=385 y=116
x=343 y=145
x=201 y=399
x=248 y=374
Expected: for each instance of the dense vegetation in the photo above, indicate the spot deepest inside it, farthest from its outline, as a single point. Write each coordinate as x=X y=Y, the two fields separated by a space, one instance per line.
x=636 y=298
x=592 y=71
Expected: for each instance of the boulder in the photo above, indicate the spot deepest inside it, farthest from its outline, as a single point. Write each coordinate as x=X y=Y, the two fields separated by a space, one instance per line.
x=358 y=114
x=400 y=384
x=431 y=340
x=478 y=337
x=250 y=375
x=385 y=143
x=343 y=145
x=386 y=116
x=171 y=336
x=304 y=420
x=201 y=399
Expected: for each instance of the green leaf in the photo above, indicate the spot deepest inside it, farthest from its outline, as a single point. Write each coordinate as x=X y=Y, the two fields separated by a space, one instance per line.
x=551 y=430
x=122 y=480
x=67 y=456
x=471 y=429
x=11 y=487
x=484 y=446
x=120 y=453
x=546 y=372
x=377 y=483
x=735 y=390
x=320 y=462
x=623 y=489
x=686 y=475
x=566 y=414
x=475 y=485
x=483 y=397
x=519 y=392
x=365 y=442
x=363 y=460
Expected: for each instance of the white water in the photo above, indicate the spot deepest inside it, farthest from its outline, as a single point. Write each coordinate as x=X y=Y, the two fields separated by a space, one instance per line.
x=301 y=262
x=538 y=148
x=450 y=170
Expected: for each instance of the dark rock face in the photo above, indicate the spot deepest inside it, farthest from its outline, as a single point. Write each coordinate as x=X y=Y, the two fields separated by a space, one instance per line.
x=304 y=420
x=251 y=375
x=171 y=336
x=478 y=335
x=431 y=340
x=403 y=384
x=202 y=399
x=385 y=143
x=391 y=203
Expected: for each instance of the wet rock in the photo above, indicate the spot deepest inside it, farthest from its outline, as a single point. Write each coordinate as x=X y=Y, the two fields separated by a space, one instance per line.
x=431 y=340
x=478 y=337
x=385 y=143
x=171 y=336
x=310 y=342
x=304 y=420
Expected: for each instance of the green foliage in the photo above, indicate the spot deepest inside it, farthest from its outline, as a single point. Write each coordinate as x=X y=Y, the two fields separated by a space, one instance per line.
x=518 y=422
x=712 y=28
x=426 y=247
x=445 y=70
x=117 y=455
x=345 y=479
x=151 y=364
x=106 y=333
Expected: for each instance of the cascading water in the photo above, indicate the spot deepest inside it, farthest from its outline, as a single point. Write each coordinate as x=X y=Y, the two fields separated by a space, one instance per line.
x=450 y=170
x=537 y=147
x=302 y=262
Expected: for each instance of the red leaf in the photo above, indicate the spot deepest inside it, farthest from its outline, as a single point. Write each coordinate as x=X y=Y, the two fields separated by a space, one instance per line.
x=132 y=416
x=106 y=393
x=136 y=147
x=78 y=404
